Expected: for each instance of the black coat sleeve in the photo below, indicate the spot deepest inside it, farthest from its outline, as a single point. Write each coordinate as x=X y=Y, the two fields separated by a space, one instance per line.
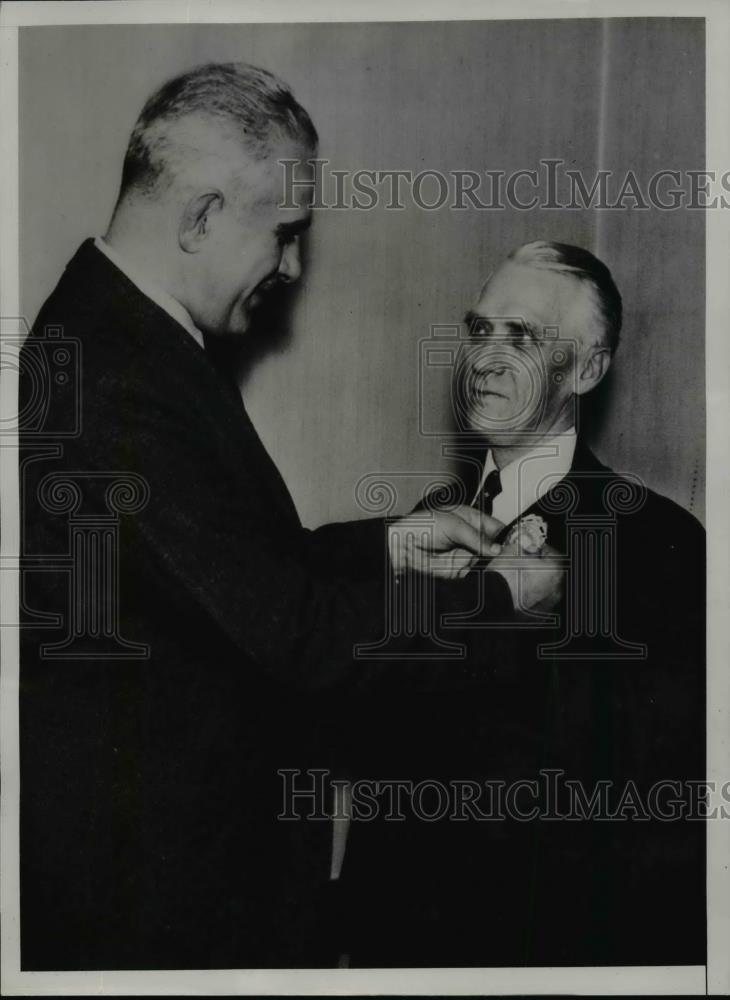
x=258 y=577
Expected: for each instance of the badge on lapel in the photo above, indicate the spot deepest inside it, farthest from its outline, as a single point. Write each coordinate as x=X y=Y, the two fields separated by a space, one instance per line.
x=529 y=534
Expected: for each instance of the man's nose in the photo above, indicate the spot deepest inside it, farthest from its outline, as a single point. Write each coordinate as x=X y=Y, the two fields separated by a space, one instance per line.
x=290 y=265
x=489 y=356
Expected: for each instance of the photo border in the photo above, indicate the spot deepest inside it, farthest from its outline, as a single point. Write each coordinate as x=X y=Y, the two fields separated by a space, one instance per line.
x=714 y=979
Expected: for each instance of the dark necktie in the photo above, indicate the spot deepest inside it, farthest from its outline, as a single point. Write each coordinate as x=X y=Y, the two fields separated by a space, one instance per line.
x=491 y=489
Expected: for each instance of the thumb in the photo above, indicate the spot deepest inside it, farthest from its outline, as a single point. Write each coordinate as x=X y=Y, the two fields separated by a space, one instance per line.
x=467 y=534
x=484 y=523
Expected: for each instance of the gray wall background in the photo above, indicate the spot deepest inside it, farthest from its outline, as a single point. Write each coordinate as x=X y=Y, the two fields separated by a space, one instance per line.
x=338 y=396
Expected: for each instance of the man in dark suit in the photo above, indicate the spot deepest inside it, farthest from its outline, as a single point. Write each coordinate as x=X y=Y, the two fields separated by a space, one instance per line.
x=181 y=630
x=607 y=698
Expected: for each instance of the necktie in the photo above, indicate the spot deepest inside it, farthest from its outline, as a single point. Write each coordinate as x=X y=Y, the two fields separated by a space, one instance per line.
x=492 y=488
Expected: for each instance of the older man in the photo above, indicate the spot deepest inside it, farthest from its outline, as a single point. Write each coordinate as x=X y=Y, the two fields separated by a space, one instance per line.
x=608 y=698
x=181 y=627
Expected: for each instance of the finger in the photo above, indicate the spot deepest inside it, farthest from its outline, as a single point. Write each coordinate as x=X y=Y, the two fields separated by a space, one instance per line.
x=490 y=526
x=466 y=535
x=452 y=564
x=461 y=561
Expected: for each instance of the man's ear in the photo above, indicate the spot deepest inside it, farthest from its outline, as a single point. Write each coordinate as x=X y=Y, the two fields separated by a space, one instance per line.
x=592 y=369
x=195 y=220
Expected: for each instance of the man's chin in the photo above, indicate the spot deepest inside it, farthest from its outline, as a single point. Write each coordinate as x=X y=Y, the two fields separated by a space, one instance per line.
x=495 y=433
x=250 y=311
x=488 y=420
x=238 y=323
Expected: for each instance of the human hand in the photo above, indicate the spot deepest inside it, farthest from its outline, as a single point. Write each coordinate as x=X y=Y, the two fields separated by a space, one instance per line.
x=535 y=579
x=443 y=543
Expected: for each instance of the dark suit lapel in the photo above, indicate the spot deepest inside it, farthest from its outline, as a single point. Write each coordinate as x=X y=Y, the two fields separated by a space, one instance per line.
x=584 y=481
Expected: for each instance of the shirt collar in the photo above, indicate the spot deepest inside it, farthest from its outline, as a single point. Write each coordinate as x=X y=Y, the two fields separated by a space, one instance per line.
x=529 y=477
x=158 y=295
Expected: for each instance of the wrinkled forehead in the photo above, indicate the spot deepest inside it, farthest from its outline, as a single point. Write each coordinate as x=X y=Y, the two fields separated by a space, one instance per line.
x=540 y=296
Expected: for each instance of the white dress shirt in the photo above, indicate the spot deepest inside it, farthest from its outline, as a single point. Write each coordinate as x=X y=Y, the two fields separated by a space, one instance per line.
x=530 y=476
x=158 y=295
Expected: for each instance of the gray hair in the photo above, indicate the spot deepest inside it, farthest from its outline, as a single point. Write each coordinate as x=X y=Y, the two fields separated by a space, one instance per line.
x=566 y=259
x=250 y=104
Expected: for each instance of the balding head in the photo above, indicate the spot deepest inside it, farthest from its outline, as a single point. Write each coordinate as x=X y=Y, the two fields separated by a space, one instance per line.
x=582 y=266
x=198 y=210
x=206 y=115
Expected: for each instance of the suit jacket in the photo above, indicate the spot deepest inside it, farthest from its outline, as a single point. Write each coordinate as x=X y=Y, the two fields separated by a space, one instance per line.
x=183 y=638
x=588 y=709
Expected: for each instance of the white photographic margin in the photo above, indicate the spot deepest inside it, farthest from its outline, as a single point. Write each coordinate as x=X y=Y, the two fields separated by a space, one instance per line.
x=714 y=979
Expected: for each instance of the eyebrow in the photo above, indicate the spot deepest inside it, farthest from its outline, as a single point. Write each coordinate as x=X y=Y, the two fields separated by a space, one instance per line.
x=291 y=229
x=471 y=318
